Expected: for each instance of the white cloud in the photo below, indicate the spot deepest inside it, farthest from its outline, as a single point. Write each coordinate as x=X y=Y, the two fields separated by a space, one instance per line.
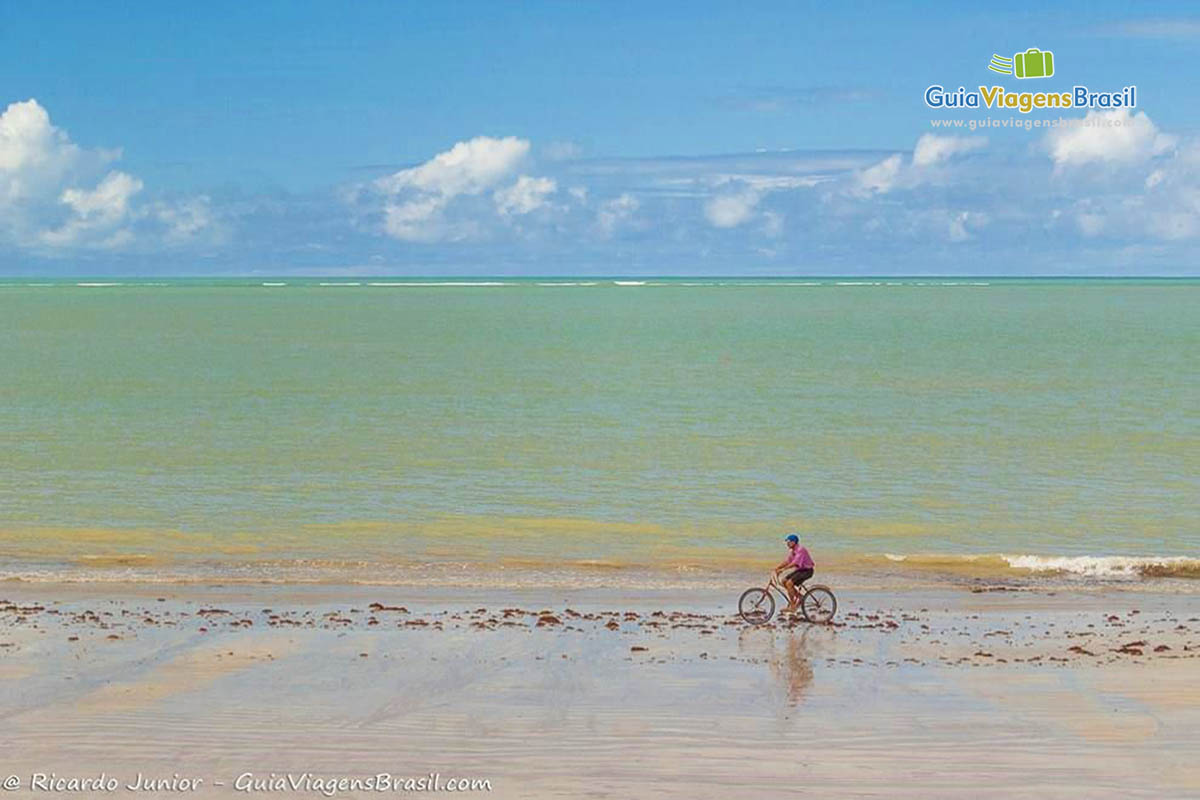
x=839 y=208
x=37 y=161
x=420 y=220
x=526 y=195
x=1116 y=136
x=731 y=210
x=187 y=219
x=430 y=202
x=98 y=214
x=932 y=149
x=58 y=196
x=469 y=167
x=878 y=178
x=616 y=212
x=32 y=151
x=108 y=201
x=894 y=173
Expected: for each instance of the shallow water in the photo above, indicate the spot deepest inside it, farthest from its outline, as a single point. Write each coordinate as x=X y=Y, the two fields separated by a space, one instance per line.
x=156 y=425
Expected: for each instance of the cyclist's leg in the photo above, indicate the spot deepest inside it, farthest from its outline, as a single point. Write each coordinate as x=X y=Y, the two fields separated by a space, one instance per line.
x=792 y=593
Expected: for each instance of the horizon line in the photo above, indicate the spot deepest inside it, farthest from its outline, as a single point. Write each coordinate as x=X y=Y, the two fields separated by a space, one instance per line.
x=606 y=276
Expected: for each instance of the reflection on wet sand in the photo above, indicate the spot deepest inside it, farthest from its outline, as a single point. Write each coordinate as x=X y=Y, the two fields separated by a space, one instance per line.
x=788 y=661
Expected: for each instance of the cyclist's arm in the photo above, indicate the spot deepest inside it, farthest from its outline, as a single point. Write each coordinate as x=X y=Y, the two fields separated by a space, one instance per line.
x=783 y=563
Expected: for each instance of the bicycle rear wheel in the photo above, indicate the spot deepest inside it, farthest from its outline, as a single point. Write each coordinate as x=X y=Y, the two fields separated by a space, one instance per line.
x=819 y=605
x=756 y=606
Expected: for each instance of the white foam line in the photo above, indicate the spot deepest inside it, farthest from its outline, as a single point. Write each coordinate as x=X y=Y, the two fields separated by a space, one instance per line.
x=271 y=283
x=438 y=283
x=340 y=284
x=1102 y=566
x=93 y=285
x=630 y=283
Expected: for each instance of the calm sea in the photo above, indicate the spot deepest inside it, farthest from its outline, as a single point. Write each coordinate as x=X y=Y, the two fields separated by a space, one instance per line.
x=369 y=427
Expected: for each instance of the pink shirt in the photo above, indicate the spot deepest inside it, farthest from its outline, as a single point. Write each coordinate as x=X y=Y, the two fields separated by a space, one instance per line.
x=800 y=558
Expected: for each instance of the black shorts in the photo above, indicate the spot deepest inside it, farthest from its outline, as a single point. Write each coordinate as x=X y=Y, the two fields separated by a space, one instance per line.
x=798 y=576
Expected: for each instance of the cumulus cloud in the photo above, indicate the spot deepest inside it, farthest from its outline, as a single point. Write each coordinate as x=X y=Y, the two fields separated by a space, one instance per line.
x=894 y=172
x=469 y=167
x=58 y=196
x=878 y=178
x=98 y=214
x=525 y=196
x=931 y=207
x=1148 y=190
x=729 y=210
x=1116 y=137
x=431 y=202
x=35 y=156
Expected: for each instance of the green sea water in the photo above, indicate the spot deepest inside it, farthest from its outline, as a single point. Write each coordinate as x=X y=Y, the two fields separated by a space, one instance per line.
x=156 y=426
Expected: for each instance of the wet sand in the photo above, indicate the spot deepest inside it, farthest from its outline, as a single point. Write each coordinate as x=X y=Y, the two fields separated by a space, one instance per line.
x=929 y=692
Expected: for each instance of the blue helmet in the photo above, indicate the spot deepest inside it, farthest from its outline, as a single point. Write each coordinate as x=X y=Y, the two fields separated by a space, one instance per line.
x=791 y=537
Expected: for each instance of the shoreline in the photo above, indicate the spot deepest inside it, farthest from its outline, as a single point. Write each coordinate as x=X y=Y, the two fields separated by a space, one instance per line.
x=559 y=692
x=601 y=577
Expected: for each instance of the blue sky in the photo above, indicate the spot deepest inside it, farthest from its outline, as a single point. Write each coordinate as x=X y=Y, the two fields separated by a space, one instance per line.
x=599 y=138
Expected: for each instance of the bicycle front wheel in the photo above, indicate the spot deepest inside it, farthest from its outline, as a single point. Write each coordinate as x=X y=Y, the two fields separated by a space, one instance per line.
x=819 y=605
x=756 y=606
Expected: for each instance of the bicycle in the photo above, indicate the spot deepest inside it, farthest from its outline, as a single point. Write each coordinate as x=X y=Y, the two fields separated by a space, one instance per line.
x=817 y=603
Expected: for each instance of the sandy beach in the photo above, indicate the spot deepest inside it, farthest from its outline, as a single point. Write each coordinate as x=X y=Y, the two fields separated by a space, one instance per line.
x=931 y=692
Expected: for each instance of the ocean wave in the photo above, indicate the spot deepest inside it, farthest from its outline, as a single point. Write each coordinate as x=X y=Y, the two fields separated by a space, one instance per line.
x=1109 y=567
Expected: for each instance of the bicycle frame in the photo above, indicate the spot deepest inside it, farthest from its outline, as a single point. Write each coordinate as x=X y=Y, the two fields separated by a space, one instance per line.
x=777 y=585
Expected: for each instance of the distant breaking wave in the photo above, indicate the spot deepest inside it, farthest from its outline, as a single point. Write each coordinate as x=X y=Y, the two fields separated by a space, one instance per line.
x=1112 y=567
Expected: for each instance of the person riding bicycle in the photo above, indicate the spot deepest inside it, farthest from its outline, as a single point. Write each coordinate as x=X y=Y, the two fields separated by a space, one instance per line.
x=796 y=569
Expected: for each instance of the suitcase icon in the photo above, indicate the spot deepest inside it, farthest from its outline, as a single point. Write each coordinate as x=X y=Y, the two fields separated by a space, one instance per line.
x=1034 y=63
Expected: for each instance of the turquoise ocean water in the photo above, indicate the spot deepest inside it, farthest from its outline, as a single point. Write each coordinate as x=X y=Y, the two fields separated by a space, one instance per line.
x=365 y=427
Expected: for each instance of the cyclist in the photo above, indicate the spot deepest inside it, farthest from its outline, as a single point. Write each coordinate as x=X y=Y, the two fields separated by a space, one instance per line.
x=796 y=569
